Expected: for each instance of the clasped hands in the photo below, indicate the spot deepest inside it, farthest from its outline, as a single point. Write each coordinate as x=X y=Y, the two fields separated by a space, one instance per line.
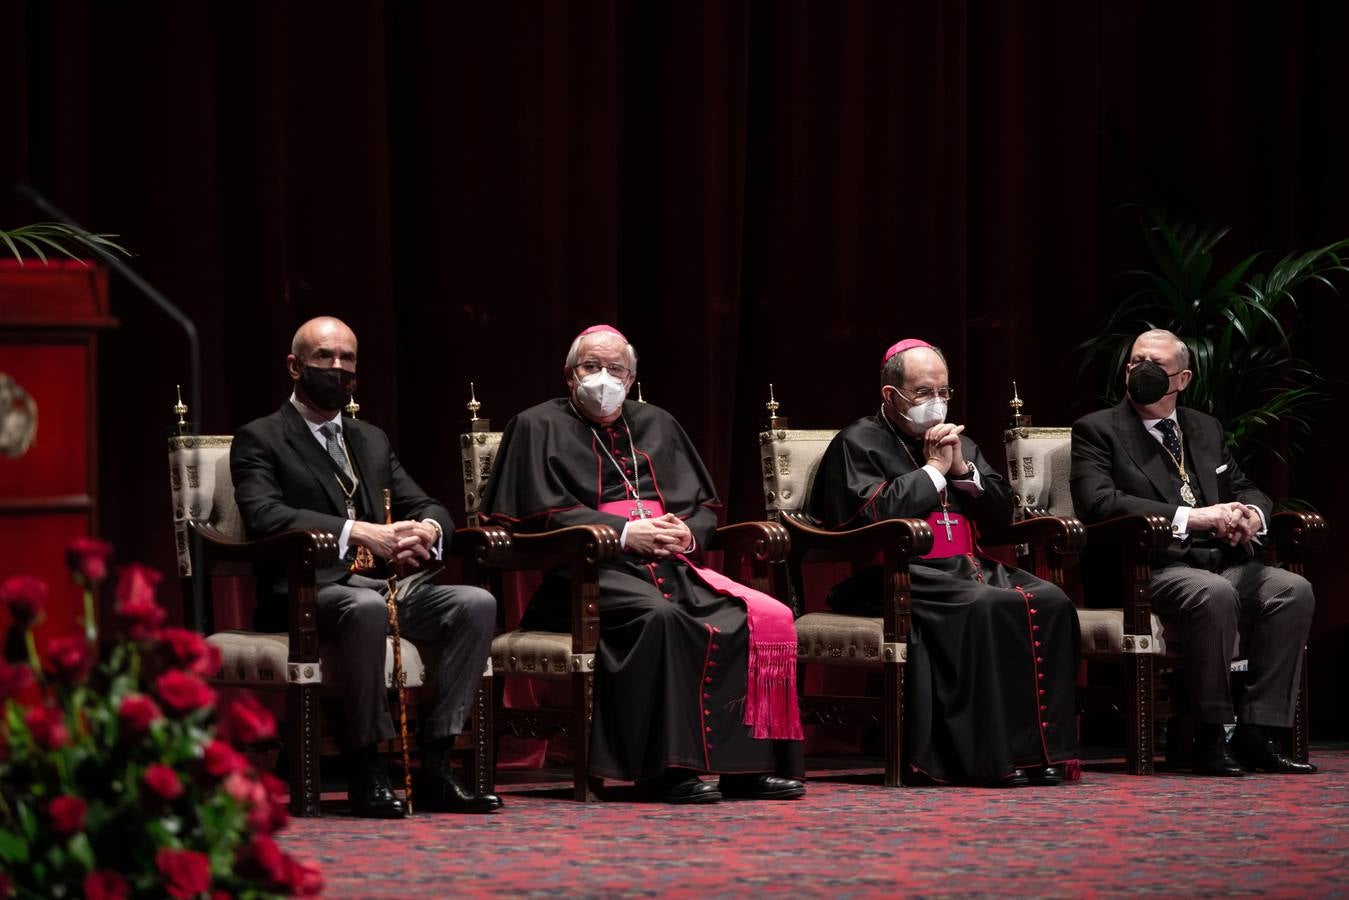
x=1234 y=522
x=941 y=447
x=658 y=537
x=407 y=543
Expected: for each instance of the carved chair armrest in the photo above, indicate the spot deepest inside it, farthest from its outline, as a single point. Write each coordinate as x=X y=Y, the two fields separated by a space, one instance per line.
x=310 y=549
x=1064 y=535
x=486 y=546
x=1296 y=529
x=908 y=537
x=764 y=541
x=574 y=545
x=1143 y=533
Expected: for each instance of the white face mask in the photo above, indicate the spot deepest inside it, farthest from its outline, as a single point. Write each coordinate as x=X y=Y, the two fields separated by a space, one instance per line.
x=601 y=394
x=923 y=416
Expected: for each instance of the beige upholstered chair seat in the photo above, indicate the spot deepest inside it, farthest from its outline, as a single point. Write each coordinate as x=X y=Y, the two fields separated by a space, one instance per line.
x=839 y=640
x=539 y=654
x=250 y=658
x=1103 y=632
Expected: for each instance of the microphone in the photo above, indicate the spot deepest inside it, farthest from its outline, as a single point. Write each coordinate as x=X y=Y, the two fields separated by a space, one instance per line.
x=199 y=611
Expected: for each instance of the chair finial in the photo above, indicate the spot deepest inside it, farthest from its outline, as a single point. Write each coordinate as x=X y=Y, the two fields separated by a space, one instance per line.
x=352 y=408
x=640 y=398
x=180 y=410
x=473 y=405
x=1018 y=420
x=775 y=421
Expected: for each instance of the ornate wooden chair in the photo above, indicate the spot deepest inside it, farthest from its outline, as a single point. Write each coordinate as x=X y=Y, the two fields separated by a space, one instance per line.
x=789 y=460
x=558 y=656
x=1111 y=585
x=210 y=542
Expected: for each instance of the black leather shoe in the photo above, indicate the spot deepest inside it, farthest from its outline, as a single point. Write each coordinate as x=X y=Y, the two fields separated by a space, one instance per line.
x=1258 y=752
x=370 y=794
x=761 y=787
x=1044 y=775
x=1014 y=778
x=680 y=786
x=1213 y=758
x=439 y=792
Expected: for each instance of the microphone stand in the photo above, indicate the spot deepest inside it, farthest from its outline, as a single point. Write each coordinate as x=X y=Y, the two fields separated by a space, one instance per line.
x=199 y=612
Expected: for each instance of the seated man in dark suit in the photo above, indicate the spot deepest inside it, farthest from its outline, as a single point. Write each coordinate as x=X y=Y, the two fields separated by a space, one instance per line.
x=305 y=466
x=1146 y=456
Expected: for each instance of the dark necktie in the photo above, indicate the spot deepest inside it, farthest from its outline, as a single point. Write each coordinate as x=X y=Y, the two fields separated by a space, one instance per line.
x=334 y=444
x=1170 y=440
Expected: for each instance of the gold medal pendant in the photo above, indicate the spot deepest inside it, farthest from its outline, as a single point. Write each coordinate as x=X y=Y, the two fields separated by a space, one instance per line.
x=1187 y=493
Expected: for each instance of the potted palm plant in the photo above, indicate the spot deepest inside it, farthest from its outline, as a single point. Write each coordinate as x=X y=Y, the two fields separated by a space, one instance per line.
x=1241 y=328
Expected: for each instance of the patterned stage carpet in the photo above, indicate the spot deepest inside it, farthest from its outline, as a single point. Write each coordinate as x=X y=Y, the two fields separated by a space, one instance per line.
x=1109 y=834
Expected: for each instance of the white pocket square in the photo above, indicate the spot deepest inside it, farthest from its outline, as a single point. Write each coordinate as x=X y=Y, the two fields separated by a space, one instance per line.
x=1221 y=469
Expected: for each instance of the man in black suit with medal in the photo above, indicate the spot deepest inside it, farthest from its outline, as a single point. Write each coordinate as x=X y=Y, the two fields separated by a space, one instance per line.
x=1146 y=456
x=306 y=466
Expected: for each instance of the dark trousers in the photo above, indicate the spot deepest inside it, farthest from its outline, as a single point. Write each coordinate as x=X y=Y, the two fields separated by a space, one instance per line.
x=1206 y=608
x=451 y=625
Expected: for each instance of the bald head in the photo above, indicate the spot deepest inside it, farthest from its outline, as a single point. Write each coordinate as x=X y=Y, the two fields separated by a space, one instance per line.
x=316 y=332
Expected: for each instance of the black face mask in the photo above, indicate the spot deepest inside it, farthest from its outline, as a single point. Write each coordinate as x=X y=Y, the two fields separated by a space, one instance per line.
x=329 y=388
x=1148 y=383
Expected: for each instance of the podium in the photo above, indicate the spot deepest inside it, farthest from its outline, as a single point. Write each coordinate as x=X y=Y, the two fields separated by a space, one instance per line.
x=50 y=317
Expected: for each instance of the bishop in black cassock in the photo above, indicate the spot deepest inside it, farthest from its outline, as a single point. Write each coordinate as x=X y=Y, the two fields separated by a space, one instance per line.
x=992 y=656
x=694 y=673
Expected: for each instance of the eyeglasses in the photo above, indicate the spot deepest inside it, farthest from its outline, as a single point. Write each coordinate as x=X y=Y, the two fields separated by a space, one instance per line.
x=923 y=395
x=594 y=367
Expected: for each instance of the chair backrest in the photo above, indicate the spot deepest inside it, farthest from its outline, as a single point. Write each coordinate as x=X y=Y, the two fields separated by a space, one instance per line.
x=479 y=453
x=789 y=458
x=1038 y=464
x=202 y=489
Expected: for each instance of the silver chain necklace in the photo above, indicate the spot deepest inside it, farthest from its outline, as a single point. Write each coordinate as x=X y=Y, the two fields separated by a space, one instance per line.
x=633 y=486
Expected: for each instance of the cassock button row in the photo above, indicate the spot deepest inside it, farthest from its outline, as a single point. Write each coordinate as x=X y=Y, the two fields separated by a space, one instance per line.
x=709 y=728
x=716 y=630
x=1037 y=643
x=660 y=581
x=707 y=696
x=716 y=646
x=1040 y=660
x=667 y=596
x=1041 y=676
x=1042 y=692
x=707 y=680
x=1033 y=610
x=1035 y=628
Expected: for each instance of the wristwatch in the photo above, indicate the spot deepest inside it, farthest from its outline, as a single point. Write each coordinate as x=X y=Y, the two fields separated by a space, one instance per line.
x=969 y=472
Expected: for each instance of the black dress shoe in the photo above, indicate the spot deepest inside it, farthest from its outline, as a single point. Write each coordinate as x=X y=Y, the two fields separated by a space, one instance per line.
x=1044 y=775
x=1014 y=778
x=680 y=786
x=761 y=787
x=1258 y=752
x=370 y=794
x=439 y=792
x=1213 y=758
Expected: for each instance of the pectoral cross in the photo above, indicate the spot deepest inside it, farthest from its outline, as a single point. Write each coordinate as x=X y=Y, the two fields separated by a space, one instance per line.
x=947 y=521
x=641 y=512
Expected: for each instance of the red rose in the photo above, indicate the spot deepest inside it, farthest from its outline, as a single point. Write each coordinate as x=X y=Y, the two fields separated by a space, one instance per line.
x=69 y=659
x=14 y=679
x=304 y=878
x=183 y=693
x=246 y=721
x=220 y=760
x=263 y=858
x=47 y=725
x=137 y=713
x=244 y=790
x=163 y=781
x=105 y=885
x=136 y=605
x=186 y=873
x=26 y=598
x=67 y=814
x=88 y=559
x=190 y=650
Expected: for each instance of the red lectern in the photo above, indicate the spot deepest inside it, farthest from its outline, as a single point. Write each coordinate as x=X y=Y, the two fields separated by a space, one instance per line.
x=50 y=316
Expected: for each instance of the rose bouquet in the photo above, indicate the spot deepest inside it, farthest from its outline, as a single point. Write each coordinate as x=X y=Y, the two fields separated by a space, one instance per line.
x=122 y=778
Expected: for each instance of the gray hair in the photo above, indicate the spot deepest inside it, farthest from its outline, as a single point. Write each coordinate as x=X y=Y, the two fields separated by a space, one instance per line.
x=892 y=373
x=574 y=353
x=1182 y=350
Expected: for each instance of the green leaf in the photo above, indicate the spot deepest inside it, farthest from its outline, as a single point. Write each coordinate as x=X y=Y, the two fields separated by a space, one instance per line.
x=13 y=848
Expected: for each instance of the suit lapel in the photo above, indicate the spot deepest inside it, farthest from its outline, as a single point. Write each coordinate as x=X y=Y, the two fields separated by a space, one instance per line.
x=365 y=467
x=1145 y=450
x=315 y=458
x=1205 y=456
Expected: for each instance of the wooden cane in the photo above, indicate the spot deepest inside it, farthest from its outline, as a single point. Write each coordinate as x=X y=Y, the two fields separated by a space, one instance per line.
x=399 y=676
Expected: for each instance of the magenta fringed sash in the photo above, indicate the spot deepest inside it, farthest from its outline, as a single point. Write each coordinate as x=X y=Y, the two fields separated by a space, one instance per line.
x=771 y=708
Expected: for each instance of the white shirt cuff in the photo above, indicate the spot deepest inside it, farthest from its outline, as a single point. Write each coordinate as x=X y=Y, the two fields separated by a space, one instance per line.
x=1180 y=522
x=343 y=538
x=438 y=548
x=1264 y=526
x=973 y=485
x=938 y=479
x=623 y=536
